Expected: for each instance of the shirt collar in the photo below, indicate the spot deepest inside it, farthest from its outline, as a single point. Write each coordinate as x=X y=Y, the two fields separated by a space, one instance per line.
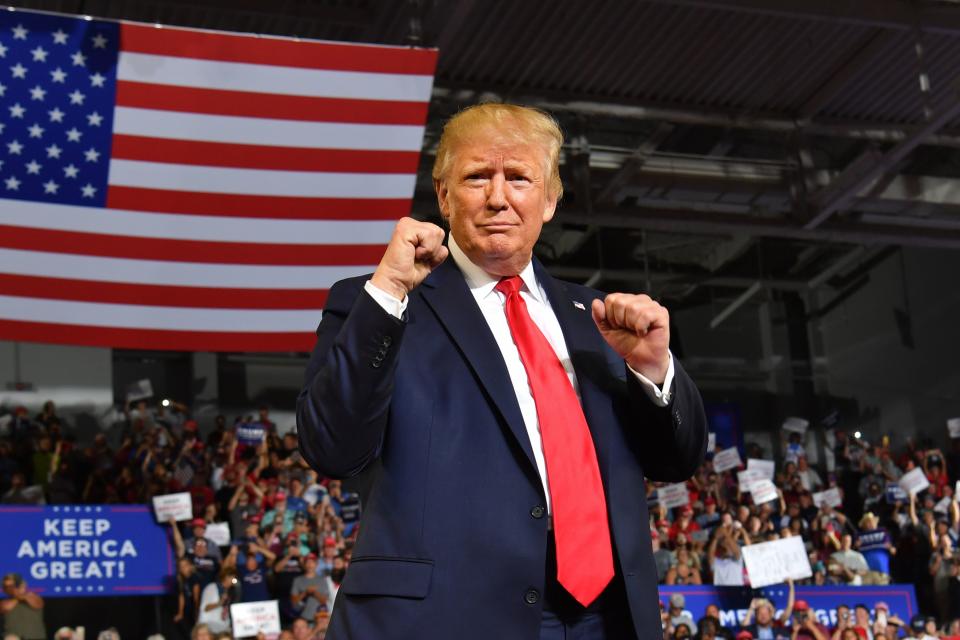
x=482 y=283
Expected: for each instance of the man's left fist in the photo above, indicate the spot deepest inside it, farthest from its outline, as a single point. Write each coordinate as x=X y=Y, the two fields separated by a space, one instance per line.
x=638 y=329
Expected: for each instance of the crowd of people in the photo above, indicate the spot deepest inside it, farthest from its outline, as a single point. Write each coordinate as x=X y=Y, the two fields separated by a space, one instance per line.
x=293 y=532
x=875 y=533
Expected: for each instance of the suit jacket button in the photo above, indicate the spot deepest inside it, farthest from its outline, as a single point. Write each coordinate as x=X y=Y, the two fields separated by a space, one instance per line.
x=387 y=341
x=532 y=596
x=537 y=512
x=376 y=364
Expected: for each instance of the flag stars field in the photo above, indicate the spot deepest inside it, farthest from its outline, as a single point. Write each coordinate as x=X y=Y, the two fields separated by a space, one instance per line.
x=195 y=190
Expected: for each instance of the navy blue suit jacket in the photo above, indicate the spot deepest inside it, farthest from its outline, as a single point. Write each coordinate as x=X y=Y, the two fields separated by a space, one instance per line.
x=453 y=538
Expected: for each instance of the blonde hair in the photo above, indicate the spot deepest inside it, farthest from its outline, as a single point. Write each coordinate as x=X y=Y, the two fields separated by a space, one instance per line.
x=521 y=124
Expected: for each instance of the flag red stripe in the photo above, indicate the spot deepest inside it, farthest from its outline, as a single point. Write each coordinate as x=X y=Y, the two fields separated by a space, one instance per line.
x=244 y=206
x=160 y=295
x=285 y=52
x=268 y=105
x=154 y=339
x=95 y=244
x=251 y=156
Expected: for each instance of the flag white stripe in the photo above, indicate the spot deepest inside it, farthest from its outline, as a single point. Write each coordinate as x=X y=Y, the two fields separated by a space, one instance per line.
x=61 y=217
x=262 y=78
x=181 y=274
x=259 y=182
x=97 y=314
x=204 y=127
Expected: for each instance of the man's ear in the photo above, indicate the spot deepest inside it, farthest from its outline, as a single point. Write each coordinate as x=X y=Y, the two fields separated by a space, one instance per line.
x=443 y=195
x=550 y=209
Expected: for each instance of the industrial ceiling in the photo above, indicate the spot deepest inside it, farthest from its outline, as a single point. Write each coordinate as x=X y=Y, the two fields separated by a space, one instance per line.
x=714 y=147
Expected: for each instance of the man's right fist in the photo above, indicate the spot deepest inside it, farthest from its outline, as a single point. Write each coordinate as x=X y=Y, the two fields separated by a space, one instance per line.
x=415 y=250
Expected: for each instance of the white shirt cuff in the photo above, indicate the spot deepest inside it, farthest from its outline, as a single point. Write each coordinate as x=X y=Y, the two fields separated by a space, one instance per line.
x=659 y=395
x=396 y=308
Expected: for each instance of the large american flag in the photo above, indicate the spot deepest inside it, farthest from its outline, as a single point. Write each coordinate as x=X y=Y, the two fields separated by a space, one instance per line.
x=168 y=188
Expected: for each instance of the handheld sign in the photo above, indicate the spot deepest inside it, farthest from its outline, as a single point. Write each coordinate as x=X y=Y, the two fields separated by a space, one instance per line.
x=796 y=425
x=829 y=497
x=711 y=441
x=250 y=618
x=178 y=506
x=219 y=533
x=773 y=562
x=251 y=433
x=747 y=478
x=767 y=468
x=895 y=493
x=914 y=482
x=726 y=460
x=139 y=390
x=674 y=495
x=953 y=426
x=763 y=490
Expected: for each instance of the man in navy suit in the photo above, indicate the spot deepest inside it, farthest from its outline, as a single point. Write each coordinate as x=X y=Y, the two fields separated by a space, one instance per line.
x=510 y=418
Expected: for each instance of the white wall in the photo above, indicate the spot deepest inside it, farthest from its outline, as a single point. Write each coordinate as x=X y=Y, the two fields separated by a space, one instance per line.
x=914 y=390
x=73 y=377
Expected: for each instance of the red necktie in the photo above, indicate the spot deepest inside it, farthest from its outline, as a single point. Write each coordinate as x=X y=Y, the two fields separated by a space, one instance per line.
x=580 y=530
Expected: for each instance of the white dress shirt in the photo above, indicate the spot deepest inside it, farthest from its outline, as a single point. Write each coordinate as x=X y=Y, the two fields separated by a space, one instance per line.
x=491 y=303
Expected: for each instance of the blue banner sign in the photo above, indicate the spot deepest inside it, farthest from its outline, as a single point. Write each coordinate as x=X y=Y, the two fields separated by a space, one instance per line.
x=734 y=601
x=87 y=550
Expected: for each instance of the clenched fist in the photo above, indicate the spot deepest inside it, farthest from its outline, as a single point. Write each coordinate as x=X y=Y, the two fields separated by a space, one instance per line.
x=415 y=250
x=638 y=329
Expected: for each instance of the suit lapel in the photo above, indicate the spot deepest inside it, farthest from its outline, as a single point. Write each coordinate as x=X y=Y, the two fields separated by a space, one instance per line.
x=447 y=294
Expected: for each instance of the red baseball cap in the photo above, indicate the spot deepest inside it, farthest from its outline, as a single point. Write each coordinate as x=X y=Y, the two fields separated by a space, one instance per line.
x=744 y=635
x=198 y=522
x=801 y=605
x=311 y=556
x=686 y=510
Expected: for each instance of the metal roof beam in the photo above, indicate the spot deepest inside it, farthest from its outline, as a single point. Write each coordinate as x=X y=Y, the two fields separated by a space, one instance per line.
x=871 y=166
x=712 y=223
x=888 y=14
x=633 y=163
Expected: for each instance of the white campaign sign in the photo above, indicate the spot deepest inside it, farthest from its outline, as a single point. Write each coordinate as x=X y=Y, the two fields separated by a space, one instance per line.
x=795 y=424
x=765 y=467
x=830 y=497
x=250 y=618
x=747 y=478
x=763 y=490
x=673 y=495
x=953 y=426
x=773 y=562
x=219 y=533
x=914 y=482
x=726 y=460
x=711 y=441
x=139 y=390
x=178 y=506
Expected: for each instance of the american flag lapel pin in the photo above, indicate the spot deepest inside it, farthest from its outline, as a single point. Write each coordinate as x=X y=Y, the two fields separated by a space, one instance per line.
x=579 y=305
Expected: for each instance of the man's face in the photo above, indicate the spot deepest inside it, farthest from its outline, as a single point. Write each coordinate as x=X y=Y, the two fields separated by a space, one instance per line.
x=9 y=587
x=764 y=615
x=301 y=629
x=496 y=200
x=862 y=616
